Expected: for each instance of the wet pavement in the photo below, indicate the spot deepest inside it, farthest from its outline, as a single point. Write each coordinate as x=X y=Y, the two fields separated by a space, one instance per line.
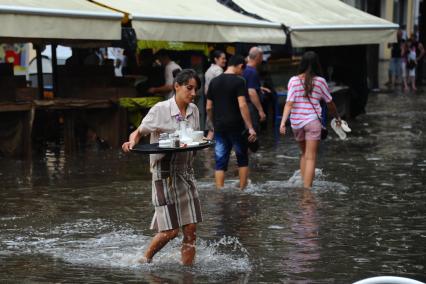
x=85 y=218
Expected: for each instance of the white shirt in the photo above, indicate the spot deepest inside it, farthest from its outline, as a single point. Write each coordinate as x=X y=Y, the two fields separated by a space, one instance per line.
x=163 y=117
x=211 y=73
x=168 y=76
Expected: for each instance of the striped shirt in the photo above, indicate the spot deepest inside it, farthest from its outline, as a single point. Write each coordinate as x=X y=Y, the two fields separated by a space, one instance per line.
x=303 y=111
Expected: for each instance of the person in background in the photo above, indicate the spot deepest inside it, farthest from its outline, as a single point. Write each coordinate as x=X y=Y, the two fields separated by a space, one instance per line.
x=116 y=54
x=170 y=68
x=404 y=34
x=227 y=109
x=269 y=94
x=420 y=55
x=174 y=192
x=254 y=87
x=395 y=66
x=411 y=59
x=305 y=91
x=218 y=59
x=76 y=58
x=93 y=58
x=405 y=49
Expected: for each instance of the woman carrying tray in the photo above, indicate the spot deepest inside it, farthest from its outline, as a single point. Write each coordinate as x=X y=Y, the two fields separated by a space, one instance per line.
x=174 y=193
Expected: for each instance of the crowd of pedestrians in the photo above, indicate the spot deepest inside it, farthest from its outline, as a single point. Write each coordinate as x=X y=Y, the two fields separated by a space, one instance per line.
x=406 y=65
x=234 y=111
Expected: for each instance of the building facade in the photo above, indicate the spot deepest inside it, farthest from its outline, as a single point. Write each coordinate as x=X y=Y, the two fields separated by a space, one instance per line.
x=406 y=13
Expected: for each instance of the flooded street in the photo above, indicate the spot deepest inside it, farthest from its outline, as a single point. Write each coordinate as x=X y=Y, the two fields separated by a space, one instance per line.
x=85 y=218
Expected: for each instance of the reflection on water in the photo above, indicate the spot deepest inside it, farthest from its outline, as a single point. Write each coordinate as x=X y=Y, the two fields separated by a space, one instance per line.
x=304 y=246
x=85 y=218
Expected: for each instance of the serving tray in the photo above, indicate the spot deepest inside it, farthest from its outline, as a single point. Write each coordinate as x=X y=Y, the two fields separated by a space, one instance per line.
x=154 y=149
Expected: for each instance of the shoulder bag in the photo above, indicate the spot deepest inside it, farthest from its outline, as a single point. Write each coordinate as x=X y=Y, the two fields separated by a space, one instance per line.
x=324 y=130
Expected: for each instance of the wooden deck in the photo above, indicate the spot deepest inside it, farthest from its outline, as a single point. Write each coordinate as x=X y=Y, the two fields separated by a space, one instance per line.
x=104 y=115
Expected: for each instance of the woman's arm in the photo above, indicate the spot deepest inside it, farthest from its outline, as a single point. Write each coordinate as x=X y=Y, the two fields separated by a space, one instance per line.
x=332 y=108
x=148 y=125
x=245 y=113
x=209 y=109
x=422 y=52
x=134 y=138
x=287 y=109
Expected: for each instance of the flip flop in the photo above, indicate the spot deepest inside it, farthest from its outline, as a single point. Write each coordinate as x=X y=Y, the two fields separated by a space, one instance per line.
x=338 y=129
x=345 y=126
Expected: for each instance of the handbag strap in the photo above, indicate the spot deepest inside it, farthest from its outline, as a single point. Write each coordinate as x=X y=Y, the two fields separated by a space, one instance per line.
x=319 y=118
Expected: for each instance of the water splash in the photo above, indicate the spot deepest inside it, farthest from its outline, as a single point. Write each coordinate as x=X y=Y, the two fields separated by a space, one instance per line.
x=81 y=243
x=276 y=186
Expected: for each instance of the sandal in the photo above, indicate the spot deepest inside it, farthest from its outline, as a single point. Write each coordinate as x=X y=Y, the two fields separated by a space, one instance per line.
x=338 y=129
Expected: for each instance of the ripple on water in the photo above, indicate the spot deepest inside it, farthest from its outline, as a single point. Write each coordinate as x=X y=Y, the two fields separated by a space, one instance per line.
x=81 y=243
x=11 y=218
x=276 y=227
x=276 y=186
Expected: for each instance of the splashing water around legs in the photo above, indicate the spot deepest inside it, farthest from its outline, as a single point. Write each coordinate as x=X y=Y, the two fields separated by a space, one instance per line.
x=243 y=173
x=162 y=238
x=157 y=243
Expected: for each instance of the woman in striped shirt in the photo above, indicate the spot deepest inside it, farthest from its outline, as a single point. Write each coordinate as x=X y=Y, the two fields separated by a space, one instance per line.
x=305 y=91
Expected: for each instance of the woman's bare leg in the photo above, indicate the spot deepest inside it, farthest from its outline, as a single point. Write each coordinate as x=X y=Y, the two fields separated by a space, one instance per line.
x=188 y=244
x=413 y=82
x=404 y=80
x=310 y=162
x=157 y=243
x=302 y=146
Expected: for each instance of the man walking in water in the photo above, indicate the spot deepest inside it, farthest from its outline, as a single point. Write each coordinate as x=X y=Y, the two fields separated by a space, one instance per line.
x=254 y=87
x=227 y=108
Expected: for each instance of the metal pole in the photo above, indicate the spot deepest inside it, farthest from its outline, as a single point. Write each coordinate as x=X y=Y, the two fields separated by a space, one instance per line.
x=39 y=72
x=20 y=10
x=54 y=71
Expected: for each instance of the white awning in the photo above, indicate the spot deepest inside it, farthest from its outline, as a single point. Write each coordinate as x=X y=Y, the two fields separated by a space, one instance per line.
x=323 y=22
x=58 y=19
x=195 y=21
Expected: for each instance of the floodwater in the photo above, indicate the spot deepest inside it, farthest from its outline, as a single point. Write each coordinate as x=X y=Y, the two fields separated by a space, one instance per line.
x=85 y=218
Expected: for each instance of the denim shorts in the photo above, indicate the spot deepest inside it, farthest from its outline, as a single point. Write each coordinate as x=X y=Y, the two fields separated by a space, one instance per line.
x=225 y=141
x=395 y=66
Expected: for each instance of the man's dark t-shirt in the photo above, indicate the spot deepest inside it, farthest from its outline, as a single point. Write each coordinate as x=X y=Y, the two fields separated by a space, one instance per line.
x=396 y=49
x=224 y=91
x=252 y=80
